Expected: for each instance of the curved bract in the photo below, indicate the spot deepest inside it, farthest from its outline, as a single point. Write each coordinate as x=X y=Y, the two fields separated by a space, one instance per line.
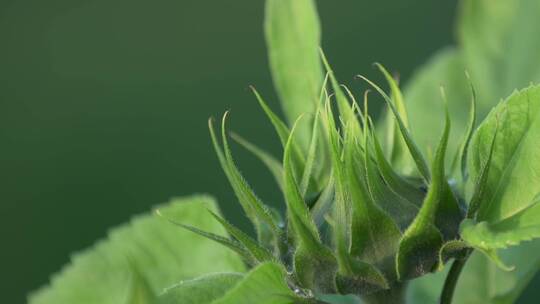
x=380 y=229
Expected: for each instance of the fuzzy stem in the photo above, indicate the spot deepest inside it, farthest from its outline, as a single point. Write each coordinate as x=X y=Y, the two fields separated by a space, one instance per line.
x=451 y=280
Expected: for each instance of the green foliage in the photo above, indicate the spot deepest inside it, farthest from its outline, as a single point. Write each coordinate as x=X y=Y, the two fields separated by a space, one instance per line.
x=422 y=95
x=293 y=38
x=522 y=226
x=500 y=46
x=265 y=284
x=508 y=212
x=513 y=180
x=104 y=274
x=490 y=283
x=365 y=222
x=202 y=290
x=491 y=232
x=139 y=292
x=498 y=49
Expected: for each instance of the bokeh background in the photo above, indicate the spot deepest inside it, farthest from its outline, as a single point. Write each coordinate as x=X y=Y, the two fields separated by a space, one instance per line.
x=104 y=103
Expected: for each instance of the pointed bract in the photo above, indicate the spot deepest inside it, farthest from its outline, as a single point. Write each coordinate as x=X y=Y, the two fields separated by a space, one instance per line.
x=273 y=165
x=417 y=156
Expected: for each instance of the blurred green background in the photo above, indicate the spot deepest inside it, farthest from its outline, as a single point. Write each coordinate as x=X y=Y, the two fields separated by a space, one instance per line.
x=103 y=107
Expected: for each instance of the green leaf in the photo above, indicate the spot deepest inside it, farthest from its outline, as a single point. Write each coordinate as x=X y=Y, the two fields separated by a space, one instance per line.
x=293 y=38
x=496 y=287
x=231 y=244
x=202 y=290
x=265 y=284
x=493 y=255
x=500 y=46
x=427 y=289
x=500 y=286
x=155 y=247
x=512 y=183
x=513 y=180
x=522 y=226
x=499 y=51
x=139 y=291
x=481 y=182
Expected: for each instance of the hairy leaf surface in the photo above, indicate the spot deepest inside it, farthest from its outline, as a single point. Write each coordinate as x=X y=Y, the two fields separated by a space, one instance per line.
x=508 y=212
x=293 y=38
x=155 y=247
x=202 y=290
x=265 y=284
x=522 y=226
x=514 y=177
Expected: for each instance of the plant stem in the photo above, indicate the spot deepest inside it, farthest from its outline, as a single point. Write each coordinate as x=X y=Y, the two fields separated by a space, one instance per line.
x=452 y=279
